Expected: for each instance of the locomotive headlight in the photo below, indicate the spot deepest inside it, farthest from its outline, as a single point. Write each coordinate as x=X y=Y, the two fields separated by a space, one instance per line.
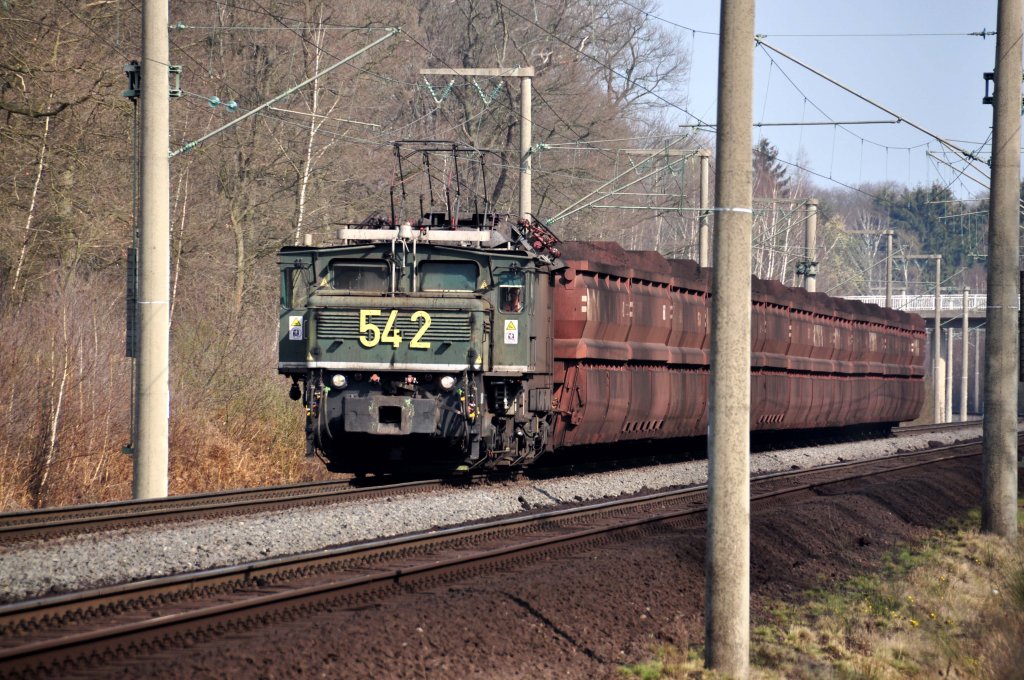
x=339 y=381
x=447 y=382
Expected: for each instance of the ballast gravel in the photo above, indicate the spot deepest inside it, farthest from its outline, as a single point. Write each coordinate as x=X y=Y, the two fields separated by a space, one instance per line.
x=50 y=567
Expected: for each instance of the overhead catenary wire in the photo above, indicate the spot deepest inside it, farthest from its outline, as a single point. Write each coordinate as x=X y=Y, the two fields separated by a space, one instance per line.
x=982 y=34
x=647 y=13
x=590 y=57
x=539 y=95
x=411 y=39
x=191 y=145
x=896 y=35
x=263 y=11
x=551 y=108
x=579 y=144
x=965 y=154
x=760 y=39
x=581 y=203
x=896 y=119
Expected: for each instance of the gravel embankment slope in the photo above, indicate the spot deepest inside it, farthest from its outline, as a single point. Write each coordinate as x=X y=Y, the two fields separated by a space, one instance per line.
x=74 y=563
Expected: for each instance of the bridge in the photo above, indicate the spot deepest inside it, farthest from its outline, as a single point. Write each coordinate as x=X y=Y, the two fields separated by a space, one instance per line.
x=950 y=306
x=951 y=310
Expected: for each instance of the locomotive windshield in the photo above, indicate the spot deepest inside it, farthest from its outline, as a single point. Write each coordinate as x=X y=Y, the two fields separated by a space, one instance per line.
x=448 y=276
x=368 y=276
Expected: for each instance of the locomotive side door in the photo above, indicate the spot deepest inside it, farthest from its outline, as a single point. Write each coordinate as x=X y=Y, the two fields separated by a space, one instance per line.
x=293 y=333
x=513 y=322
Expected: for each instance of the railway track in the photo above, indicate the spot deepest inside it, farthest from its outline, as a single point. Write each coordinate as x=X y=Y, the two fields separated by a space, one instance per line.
x=52 y=522
x=68 y=633
x=904 y=430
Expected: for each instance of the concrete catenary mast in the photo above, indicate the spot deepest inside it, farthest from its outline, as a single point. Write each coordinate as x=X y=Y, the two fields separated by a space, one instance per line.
x=999 y=457
x=150 y=462
x=727 y=627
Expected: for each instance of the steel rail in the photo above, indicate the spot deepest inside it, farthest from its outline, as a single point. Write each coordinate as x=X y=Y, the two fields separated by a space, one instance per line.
x=905 y=430
x=374 y=574
x=30 y=524
x=23 y=525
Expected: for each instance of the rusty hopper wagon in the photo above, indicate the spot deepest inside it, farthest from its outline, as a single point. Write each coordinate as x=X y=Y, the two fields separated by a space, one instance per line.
x=485 y=344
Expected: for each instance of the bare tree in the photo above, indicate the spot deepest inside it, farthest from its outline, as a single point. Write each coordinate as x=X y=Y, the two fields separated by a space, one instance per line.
x=597 y=64
x=32 y=205
x=66 y=204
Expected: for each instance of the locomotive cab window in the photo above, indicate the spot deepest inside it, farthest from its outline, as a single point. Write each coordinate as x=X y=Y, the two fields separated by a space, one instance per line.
x=441 y=275
x=368 y=276
x=294 y=287
x=511 y=289
x=510 y=298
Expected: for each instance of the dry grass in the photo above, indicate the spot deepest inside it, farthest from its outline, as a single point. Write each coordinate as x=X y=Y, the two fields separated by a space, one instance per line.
x=953 y=607
x=208 y=452
x=65 y=412
x=244 y=445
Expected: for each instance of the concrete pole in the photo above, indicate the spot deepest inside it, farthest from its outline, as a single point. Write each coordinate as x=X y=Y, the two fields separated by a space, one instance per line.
x=811 y=246
x=948 y=410
x=150 y=465
x=977 y=370
x=964 y=329
x=525 y=142
x=888 y=268
x=705 y=205
x=940 y=386
x=937 y=336
x=979 y=396
x=727 y=564
x=999 y=438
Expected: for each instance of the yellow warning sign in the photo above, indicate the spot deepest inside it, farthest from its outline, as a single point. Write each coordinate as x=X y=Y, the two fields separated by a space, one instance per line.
x=295 y=327
x=512 y=332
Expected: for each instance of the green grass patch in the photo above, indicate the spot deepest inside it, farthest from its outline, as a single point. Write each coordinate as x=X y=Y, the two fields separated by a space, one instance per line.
x=952 y=606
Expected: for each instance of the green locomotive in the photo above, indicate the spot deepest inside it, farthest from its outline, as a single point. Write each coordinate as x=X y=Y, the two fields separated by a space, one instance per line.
x=421 y=342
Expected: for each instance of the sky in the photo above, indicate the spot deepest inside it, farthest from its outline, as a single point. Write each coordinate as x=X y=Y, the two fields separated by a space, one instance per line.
x=912 y=56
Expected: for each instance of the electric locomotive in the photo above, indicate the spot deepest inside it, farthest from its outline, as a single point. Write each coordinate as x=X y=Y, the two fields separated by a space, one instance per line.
x=421 y=342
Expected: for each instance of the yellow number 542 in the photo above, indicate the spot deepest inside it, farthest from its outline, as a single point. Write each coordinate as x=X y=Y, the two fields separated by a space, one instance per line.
x=371 y=334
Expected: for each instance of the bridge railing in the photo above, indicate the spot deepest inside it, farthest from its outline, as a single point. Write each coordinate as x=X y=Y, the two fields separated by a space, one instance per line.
x=926 y=303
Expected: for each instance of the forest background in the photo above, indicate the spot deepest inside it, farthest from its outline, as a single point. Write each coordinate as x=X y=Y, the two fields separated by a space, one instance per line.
x=608 y=79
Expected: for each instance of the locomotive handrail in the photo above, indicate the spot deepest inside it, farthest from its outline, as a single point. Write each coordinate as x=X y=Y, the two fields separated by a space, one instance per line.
x=448 y=235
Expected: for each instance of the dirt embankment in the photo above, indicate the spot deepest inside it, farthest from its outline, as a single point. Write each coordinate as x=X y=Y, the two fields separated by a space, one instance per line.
x=585 y=615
